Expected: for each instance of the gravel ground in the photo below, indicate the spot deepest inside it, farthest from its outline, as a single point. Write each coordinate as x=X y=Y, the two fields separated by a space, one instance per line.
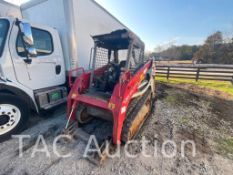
x=178 y=116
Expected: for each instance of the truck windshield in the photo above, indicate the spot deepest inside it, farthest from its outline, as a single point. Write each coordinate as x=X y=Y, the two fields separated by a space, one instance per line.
x=4 y=27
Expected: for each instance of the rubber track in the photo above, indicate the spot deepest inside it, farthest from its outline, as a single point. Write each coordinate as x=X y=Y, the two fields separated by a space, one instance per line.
x=132 y=111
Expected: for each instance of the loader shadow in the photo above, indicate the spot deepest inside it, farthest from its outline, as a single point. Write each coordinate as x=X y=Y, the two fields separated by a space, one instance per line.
x=102 y=129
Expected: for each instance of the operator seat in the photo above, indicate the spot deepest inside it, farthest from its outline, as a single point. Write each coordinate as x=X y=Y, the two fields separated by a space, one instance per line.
x=122 y=65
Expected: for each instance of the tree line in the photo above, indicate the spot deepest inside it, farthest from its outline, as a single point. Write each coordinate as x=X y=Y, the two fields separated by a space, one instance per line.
x=215 y=50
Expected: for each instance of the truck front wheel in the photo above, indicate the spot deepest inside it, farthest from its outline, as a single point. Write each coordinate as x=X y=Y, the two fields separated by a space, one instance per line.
x=14 y=113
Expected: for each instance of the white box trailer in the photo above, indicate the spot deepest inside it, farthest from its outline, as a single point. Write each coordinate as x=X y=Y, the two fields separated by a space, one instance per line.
x=81 y=19
x=10 y=10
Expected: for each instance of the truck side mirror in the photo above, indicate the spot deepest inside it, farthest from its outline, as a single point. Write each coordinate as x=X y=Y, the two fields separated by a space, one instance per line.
x=32 y=51
x=27 y=38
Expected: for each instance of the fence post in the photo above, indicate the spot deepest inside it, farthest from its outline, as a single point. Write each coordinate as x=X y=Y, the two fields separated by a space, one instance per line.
x=232 y=80
x=198 y=74
x=168 y=72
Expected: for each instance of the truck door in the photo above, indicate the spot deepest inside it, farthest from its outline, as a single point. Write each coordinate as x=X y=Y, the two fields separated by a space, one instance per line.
x=47 y=68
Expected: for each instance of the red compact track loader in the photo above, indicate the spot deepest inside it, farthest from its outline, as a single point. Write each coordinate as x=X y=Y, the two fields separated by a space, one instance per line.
x=119 y=88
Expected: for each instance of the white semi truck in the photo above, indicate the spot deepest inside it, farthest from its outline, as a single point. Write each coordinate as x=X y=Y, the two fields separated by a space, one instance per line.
x=37 y=49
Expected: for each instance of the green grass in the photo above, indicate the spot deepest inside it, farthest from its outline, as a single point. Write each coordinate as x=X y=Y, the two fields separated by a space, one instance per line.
x=226 y=87
x=225 y=146
x=184 y=120
x=171 y=99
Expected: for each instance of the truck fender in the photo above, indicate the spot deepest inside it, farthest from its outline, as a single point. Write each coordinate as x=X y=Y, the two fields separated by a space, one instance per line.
x=7 y=89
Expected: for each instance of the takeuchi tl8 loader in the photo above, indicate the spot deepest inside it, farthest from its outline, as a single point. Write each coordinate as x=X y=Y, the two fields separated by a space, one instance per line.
x=119 y=87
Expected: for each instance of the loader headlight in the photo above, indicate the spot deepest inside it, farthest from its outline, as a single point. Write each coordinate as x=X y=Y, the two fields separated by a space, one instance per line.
x=74 y=95
x=111 y=106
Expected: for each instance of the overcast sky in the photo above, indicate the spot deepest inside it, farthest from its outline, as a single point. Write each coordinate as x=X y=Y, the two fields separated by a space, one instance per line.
x=162 y=22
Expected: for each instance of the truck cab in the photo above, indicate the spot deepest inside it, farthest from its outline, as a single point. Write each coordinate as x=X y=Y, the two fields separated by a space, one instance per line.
x=32 y=72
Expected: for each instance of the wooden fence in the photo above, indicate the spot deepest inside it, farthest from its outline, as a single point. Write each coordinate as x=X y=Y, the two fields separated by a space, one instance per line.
x=196 y=71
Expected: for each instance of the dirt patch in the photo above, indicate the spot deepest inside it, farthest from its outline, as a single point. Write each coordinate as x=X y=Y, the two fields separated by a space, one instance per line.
x=223 y=109
x=204 y=91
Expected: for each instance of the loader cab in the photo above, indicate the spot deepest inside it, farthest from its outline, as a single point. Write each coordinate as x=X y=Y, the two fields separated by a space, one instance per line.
x=114 y=54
